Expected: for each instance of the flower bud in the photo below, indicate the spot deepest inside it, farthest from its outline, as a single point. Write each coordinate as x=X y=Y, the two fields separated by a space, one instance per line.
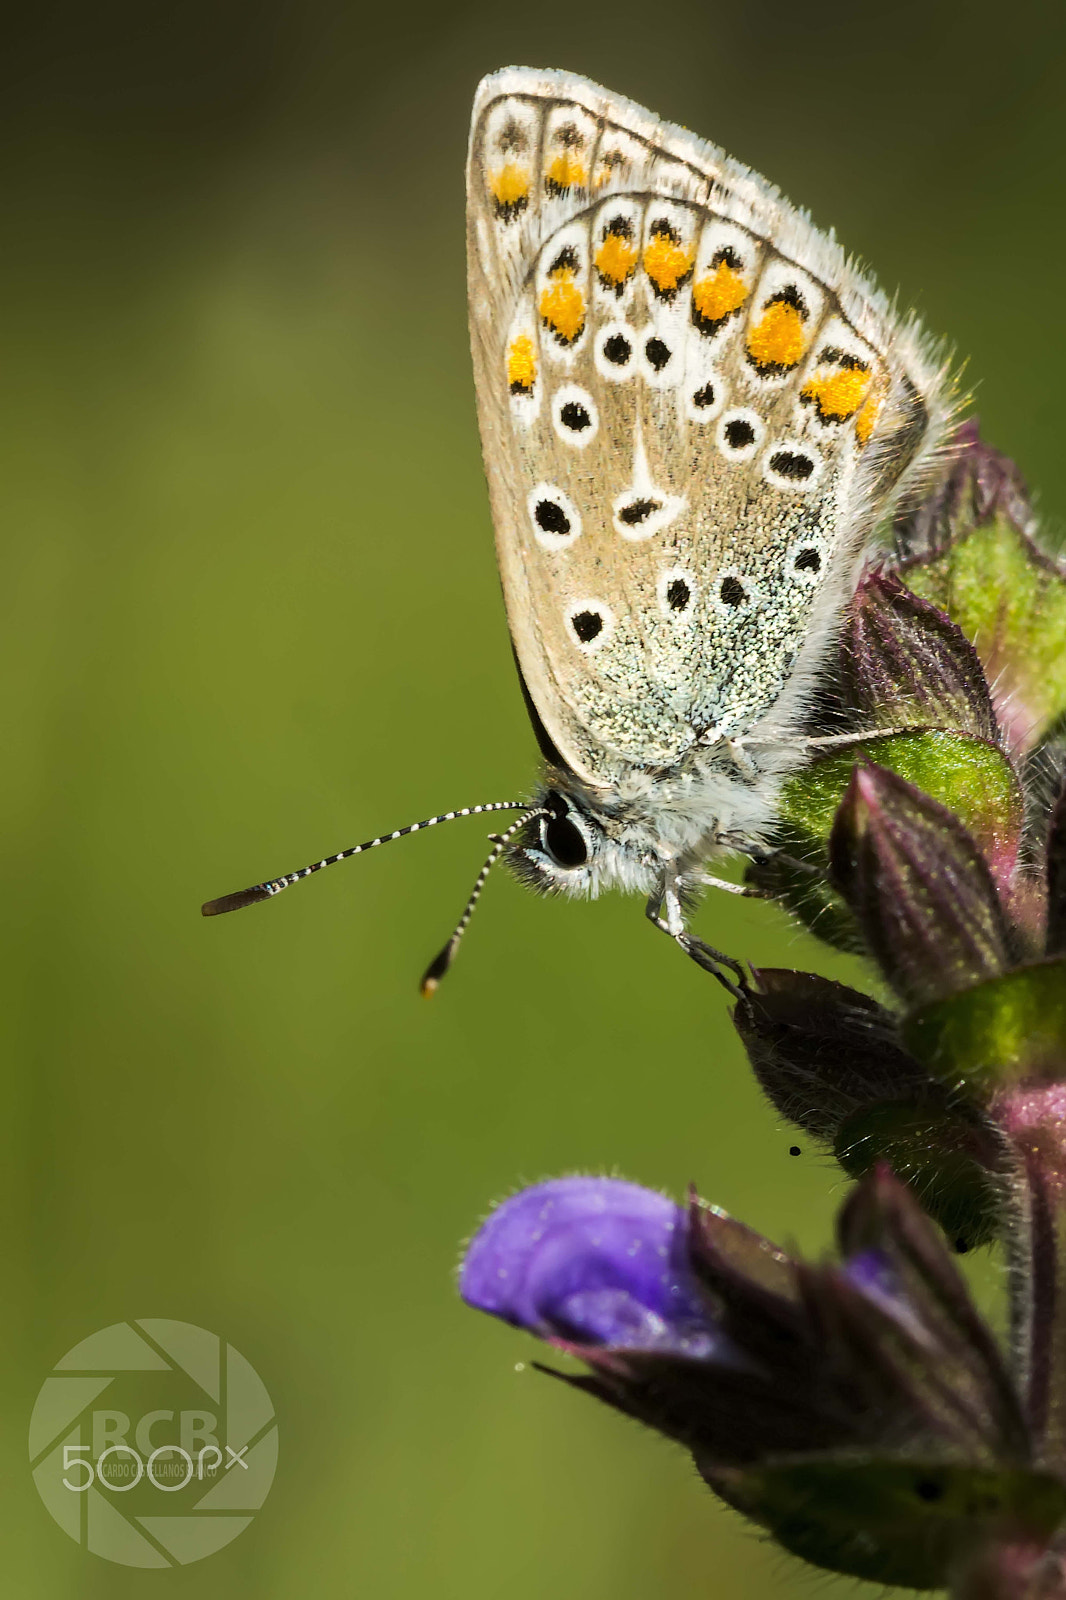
x=919 y=887
x=971 y=549
x=905 y=663
x=823 y=1052
x=592 y=1261
x=831 y=1060
x=860 y=1412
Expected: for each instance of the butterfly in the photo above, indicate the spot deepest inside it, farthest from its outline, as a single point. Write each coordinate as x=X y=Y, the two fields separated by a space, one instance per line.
x=696 y=413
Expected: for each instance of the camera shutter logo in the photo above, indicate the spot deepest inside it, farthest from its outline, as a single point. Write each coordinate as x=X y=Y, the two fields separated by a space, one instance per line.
x=148 y=1486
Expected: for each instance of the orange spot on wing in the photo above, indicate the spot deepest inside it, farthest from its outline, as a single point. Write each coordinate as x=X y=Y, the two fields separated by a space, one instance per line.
x=778 y=339
x=839 y=396
x=667 y=263
x=616 y=260
x=510 y=188
x=566 y=172
x=562 y=305
x=717 y=297
x=521 y=365
x=866 y=421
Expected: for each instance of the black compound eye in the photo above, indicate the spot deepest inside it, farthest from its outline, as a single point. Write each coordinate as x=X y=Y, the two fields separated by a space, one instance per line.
x=565 y=843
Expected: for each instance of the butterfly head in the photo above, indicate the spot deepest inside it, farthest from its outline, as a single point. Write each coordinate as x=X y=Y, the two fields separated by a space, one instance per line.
x=557 y=850
x=574 y=847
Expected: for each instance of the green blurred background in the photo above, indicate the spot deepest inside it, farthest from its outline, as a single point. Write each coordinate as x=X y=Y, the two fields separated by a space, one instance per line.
x=250 y=615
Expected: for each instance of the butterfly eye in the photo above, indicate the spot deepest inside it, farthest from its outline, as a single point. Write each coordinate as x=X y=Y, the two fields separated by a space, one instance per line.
x=565 y=842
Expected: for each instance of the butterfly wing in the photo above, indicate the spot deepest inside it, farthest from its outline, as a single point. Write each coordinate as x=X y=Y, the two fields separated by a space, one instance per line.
x=693 y=411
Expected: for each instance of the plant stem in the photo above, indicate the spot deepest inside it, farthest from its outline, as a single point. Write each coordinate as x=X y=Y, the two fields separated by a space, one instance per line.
x=1033 y=1118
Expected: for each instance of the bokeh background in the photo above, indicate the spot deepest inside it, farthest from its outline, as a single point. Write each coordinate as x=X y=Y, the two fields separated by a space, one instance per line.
x=250 y=615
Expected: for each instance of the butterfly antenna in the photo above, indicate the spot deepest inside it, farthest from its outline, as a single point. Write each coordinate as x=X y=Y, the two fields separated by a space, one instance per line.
x=267 y=891
x=440 y=963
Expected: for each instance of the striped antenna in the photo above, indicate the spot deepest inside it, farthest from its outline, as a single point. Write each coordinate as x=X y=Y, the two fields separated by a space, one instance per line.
x=440 y=963
x=267 y=891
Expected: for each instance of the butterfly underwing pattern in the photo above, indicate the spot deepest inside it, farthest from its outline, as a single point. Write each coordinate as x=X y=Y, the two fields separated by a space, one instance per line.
x=696 y=415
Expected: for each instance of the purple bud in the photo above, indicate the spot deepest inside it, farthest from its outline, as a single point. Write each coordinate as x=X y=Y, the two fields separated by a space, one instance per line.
x=972 y=549
x=592 y=1261
x=919 y=886
x=823 y=1052
x=905 y=662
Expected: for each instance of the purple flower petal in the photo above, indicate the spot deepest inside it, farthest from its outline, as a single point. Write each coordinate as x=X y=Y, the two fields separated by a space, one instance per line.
x=874 y=1273
x=594 y=1261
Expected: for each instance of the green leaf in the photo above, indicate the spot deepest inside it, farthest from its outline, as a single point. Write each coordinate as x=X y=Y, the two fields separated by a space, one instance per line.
x=898 y=1522
x=1009 y=598
x=968 y=775
x=1007 y=1029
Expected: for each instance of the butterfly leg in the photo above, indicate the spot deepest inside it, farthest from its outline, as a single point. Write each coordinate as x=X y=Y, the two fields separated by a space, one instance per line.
x=666 y=899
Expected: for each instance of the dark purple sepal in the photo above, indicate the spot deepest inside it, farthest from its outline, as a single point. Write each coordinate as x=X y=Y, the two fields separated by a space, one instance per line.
x=962 y=1370
x=904 y=663
x=822 y=1051
x=737 y=1416
x=919 y=887
x=903 y=1519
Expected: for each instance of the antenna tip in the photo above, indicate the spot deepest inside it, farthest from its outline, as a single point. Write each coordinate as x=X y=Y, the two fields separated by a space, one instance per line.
x=234 y=902
x=436 y=970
